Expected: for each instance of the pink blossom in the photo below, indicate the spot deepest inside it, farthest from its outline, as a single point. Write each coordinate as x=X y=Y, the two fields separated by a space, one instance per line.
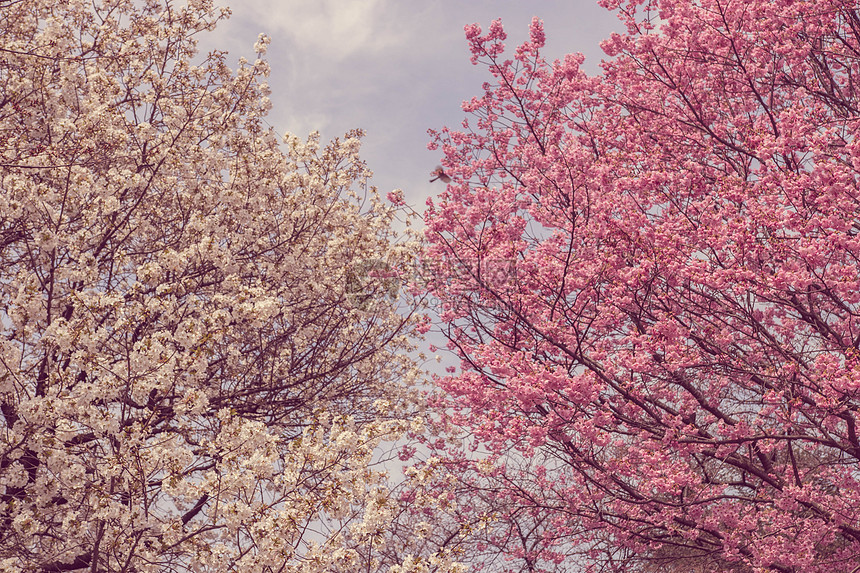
x=678 y=352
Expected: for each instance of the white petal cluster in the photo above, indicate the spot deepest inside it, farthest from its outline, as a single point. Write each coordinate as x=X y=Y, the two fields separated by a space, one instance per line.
x=197 y=365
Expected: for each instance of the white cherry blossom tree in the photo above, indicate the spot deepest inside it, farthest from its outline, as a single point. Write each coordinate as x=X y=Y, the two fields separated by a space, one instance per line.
x=201 y=342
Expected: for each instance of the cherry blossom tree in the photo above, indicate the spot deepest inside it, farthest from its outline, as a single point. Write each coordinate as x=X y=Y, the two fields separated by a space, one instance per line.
x=202 y=340
x=652 y=279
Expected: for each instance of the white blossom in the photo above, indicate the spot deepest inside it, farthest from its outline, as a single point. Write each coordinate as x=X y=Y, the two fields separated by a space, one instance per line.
x=188 y=380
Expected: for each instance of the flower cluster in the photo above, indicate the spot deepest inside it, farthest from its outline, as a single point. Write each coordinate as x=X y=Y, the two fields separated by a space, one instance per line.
x=671 y=380
x=186 y=380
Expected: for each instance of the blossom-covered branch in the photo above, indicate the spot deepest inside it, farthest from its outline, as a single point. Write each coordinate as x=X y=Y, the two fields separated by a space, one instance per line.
x=672 y=377
x=196 y=367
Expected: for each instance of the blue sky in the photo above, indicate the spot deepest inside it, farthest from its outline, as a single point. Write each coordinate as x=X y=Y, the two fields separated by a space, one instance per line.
x=391 y=67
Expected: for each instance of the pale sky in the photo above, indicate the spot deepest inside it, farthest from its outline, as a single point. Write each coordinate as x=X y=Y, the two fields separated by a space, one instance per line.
x=392 y=67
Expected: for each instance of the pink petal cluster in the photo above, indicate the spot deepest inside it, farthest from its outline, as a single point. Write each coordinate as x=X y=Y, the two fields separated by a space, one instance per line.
x=670 y=375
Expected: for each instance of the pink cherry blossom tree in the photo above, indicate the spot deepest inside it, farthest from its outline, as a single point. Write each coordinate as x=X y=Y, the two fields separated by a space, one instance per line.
x=652 y=280
x=202 y=342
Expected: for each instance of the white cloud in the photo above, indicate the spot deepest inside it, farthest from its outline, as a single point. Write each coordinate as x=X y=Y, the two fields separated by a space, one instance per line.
x=332 y=30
